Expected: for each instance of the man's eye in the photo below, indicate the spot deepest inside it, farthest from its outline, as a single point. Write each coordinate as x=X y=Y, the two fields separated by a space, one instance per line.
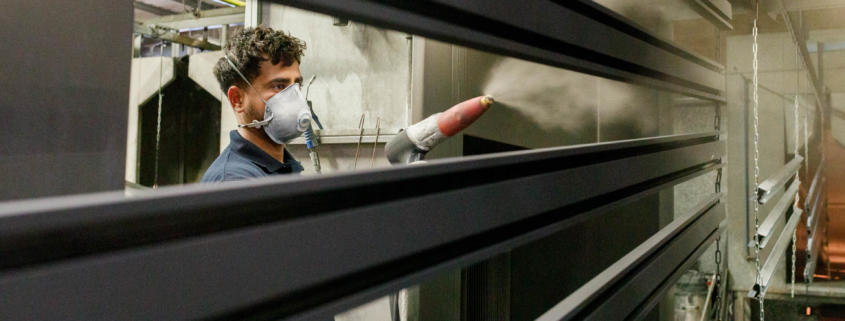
x=279 y=87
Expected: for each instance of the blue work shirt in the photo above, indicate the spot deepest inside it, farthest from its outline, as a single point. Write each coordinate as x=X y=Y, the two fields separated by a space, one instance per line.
x=243 y=160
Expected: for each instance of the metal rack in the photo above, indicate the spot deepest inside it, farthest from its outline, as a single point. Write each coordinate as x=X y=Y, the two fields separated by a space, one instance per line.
x=271 y=249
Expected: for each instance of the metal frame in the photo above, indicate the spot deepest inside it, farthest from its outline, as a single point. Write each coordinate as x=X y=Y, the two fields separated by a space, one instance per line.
x=272 y=249
x=275 y=249
x=153 y=9
x=813 y=244
x=223 y=16
x=816 y=196
x=548 y=32
x=798 y=36
x=172 y=37
x=628 y=286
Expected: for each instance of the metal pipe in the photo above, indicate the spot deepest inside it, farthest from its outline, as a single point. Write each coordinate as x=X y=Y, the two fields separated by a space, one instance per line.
x=375 y=144
x=360 y=137
x=234 y=2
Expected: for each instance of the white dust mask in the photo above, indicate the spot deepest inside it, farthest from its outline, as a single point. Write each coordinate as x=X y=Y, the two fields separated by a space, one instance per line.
x=286 y=114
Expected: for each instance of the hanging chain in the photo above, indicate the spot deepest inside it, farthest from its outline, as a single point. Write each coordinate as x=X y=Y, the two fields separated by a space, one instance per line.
x=797 y=177
x=806 y=144
x=158 y=122
x=717 y=124
x=759 y=279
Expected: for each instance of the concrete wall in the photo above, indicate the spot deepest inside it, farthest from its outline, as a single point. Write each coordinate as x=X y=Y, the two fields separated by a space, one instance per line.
x=66 y=76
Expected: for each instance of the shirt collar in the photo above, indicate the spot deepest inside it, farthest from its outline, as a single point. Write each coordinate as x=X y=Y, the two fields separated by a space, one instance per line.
x=248 y=150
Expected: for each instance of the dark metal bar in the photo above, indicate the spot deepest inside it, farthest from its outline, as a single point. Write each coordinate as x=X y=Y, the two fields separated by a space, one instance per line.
x=767 y=227
x=272 y=249
x=718 y=12
x=777 y=253
x=778 y=179
x=546 y=32
x=641 y=313
x=619 y=290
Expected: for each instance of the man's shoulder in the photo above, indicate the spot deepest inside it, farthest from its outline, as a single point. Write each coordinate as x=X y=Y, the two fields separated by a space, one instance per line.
x=230 y=166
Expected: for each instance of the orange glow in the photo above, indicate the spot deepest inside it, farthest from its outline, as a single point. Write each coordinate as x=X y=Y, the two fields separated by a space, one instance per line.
x=808 y=311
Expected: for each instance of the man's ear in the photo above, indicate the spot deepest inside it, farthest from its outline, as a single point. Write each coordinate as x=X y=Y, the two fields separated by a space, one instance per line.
x=236 y=99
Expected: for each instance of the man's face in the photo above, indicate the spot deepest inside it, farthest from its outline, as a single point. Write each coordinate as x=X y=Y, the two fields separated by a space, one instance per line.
x=271 y=80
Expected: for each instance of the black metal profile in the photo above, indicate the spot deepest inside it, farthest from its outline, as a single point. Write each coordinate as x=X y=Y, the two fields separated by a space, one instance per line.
x=629 y=286
x=718 y=12
x=574 y=34
x=276 y=249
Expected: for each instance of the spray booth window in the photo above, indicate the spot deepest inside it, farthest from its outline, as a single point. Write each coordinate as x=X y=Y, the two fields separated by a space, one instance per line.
x=359 y=82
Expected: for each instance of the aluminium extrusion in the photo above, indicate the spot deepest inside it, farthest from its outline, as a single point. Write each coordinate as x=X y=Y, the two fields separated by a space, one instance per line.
x=777 y=253
x=778 y=179
x=767 y=227
x=814 y=186
x=543 y=32
x=277 y=257
x=619 y=290
x=817 y=208
x=813 y=244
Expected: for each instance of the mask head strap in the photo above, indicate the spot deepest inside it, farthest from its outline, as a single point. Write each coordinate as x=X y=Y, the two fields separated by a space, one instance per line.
x=254 y=123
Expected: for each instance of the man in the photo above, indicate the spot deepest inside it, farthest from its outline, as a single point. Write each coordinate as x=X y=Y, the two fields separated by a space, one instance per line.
x=260 y=67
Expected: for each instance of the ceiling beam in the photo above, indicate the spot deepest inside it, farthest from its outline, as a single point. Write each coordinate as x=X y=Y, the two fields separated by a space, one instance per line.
x=718 y=12
x=193 y=4
x=174 y=37
x=159 y=11
x=204 y=18
x=803 y=5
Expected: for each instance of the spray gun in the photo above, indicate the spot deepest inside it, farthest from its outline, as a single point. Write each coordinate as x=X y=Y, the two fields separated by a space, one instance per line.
x=310 y=137
x=412 y=144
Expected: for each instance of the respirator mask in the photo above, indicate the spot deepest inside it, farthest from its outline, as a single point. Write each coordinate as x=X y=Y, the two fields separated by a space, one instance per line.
x=286 y=114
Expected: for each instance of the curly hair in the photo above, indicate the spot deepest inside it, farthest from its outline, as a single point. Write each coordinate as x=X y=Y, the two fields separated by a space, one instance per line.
x=247 y=48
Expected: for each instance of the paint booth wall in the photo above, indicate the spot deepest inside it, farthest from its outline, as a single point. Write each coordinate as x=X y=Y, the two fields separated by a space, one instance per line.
x=360 y=70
